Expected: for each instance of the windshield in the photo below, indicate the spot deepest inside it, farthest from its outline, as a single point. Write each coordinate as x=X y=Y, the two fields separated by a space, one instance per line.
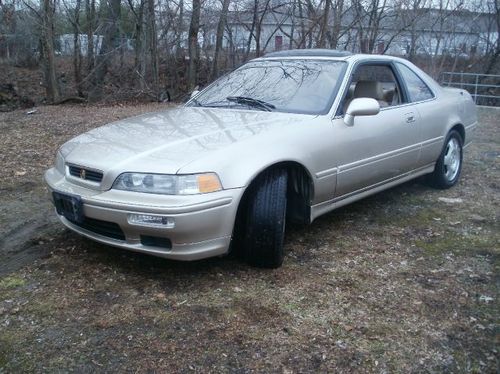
x=294 y=86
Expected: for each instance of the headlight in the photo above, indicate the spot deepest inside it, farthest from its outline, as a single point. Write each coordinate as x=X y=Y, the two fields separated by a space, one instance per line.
x=166 y=184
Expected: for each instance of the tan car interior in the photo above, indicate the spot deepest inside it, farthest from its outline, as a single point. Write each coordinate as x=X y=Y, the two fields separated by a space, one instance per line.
x=376 y=82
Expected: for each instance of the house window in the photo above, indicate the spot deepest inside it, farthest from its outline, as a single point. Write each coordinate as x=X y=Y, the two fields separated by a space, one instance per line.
x=278 y=42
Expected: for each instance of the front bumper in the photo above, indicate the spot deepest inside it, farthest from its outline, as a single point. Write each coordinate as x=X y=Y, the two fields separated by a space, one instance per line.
x=203 y=223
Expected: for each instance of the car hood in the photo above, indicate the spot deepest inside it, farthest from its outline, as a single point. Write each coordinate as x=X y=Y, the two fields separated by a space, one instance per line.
x=163 y=142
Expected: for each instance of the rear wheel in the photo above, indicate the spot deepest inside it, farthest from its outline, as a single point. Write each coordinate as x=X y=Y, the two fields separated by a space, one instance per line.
x=265 y=220
x=449 y=163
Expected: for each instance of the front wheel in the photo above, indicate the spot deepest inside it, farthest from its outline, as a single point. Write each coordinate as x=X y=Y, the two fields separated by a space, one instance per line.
x=449 y=163
x=265 y=220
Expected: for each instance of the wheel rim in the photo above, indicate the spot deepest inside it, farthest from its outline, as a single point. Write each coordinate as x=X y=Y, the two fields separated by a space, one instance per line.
x=452 y=159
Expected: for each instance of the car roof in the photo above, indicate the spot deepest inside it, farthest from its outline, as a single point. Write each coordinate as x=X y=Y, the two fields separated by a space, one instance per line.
x=315 y=52
x=329 y=54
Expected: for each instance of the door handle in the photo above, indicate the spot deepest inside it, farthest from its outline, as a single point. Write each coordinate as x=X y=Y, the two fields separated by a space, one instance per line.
x=410 y=117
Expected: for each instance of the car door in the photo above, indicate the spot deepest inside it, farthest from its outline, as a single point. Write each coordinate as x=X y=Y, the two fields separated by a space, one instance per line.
x=381 y=148
x=432 y=116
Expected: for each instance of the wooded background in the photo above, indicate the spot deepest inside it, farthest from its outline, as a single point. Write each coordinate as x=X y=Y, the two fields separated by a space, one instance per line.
x=94 y=50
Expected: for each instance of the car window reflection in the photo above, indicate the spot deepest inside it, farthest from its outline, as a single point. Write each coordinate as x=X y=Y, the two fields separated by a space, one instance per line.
x=295 y=86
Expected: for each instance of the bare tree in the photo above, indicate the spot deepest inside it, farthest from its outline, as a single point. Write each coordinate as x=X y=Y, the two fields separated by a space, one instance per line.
x=180 y=29
x=368 y=21
x=153 y=49
x=139 y=38
x=48 y=54
x=218 y=38
x=323 y=26
x=335 y=32
x=494 y=47
x=109 y=21
x=193 y=45
x=45 y=19
x=251 y=34
x=90 y=19
x=73 y=14
x=7 y=25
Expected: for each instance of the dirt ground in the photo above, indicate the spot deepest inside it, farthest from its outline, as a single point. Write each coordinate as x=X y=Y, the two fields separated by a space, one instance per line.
x=399 y=282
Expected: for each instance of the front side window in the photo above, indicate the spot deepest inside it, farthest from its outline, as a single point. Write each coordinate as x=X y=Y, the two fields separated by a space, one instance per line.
x=293 y=86
x=417 y=89
x=375 y=81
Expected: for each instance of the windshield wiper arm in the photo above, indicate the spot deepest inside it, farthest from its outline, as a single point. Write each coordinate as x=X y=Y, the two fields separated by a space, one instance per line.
x=196 y=102
x=251 y=102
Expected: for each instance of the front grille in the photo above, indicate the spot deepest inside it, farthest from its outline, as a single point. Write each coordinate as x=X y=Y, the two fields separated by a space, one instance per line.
x=104 y=228
x=85 y=174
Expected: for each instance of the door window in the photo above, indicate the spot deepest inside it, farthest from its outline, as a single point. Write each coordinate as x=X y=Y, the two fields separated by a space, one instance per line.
x=374 y=81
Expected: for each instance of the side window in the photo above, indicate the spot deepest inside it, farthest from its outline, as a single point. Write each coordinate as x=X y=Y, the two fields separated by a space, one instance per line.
x=374 y=81
x=417 y=88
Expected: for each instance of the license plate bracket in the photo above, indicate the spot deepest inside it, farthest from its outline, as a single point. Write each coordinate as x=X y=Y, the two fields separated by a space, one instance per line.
x=69 y=206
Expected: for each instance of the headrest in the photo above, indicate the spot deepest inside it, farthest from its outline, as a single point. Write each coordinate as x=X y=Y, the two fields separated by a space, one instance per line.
x=371 y=89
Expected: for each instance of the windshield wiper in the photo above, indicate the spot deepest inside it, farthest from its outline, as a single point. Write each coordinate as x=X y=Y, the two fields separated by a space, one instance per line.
x=251 y=102
x=196 y=102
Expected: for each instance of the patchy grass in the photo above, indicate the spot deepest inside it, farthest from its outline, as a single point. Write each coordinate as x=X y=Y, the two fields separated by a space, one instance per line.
x=398 y=282
x=11 y=282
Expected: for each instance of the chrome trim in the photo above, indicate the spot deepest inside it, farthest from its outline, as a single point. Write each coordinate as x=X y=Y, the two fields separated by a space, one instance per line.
x=383 y=156
x=432 y=141
x=326 y=173
x=152 y=209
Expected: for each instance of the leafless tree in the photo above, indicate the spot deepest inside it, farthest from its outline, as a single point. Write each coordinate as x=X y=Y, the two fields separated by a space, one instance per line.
x=45 y=18
x=193 y=44
x=73 y=15
x=218 y=38
x=109 y=22
x=90 y=19
x=493 y=47
x=153 y=48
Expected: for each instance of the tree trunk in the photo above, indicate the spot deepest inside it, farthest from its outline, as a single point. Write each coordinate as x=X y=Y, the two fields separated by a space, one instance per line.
x=90 y=14
x=193 y=44
x=258 y=29
x=108 y=48
x=77 y=56
x=180 y=30
x=334 y=36
x=495 y=55
x=153 y=49
x=324 y=25
x=302 y=26
x=292 y=26
x=251 y=34
x=47 y=41
x=143 y=41
x=219 y=38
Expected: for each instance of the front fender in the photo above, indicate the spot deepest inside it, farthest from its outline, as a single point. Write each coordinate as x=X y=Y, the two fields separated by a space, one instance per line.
x=308 y=145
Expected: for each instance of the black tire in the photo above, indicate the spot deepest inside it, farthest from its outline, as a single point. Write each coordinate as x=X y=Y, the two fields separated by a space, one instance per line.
x=446 y=172
x=265 y=220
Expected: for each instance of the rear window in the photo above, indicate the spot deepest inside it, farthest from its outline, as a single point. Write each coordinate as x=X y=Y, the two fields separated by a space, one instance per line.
x=417 y=89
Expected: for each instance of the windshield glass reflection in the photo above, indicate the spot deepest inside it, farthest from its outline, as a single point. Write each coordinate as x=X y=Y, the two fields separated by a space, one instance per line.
x=295 y=86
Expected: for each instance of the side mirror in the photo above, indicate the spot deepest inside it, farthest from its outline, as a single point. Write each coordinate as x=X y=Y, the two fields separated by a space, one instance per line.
x=363 y=106
x=194 y=93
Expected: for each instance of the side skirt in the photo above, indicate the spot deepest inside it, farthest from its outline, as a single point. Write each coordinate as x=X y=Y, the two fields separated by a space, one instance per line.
x=329 y=205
